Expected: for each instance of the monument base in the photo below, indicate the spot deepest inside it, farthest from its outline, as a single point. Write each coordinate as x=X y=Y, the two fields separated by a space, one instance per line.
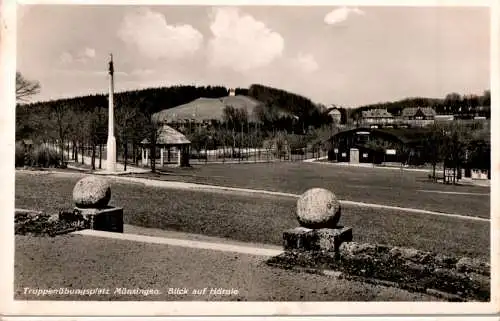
x=324 y=239
x=111 y=154
x=103 y=219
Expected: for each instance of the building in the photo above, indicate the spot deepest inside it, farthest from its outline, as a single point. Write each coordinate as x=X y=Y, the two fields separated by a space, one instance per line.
x=379 y=145
x=417 y=116
x=444 y=118
x=335 y=114
x=171 y=144
x=376 y=118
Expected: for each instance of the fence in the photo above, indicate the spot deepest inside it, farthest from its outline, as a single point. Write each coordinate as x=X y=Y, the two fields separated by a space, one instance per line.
x=214 y=156
x=255 y=155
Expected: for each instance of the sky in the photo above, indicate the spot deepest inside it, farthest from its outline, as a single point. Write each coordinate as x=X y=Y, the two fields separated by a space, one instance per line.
x=347 y=56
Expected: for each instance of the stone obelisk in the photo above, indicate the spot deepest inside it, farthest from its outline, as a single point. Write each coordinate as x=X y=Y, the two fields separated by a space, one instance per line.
x=111 y=146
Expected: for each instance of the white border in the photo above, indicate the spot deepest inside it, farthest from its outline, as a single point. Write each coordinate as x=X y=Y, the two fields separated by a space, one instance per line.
x=7 y=130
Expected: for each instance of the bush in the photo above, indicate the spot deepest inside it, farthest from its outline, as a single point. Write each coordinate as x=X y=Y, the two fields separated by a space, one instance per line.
x=456 y=278
x=45 y=157
x=198 y=155
x=19 y=155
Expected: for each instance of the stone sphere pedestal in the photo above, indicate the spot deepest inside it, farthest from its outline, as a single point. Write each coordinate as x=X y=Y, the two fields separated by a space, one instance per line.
x=91 y=195
x=318 y=213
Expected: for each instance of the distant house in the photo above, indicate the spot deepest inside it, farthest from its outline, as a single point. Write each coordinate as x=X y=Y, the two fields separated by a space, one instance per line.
x=418 y=116
x=376 y=118
x=444 y=118
x=335 y=114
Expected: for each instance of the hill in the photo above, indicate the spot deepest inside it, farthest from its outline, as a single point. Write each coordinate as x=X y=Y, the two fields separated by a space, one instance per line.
x=211 y=109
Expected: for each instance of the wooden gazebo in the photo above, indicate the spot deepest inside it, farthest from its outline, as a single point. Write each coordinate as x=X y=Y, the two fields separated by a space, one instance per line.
x=170 y=141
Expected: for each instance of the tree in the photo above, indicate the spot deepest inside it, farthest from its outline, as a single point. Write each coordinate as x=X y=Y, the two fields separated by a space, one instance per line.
x=60 y=115
x=456 y=139
x=452 y=102
x=485 y=99
x=434 y=145
x=152 y=126
x=235 y=119
x=199 y=139
x=25 y=88
x=91 y=122
x=126 y=113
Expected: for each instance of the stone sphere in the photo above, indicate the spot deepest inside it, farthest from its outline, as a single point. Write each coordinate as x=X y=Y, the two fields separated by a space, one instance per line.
x=318 y=208
x=92 y=192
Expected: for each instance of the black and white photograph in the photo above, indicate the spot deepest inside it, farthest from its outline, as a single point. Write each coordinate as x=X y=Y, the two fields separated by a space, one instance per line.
x=251 y=154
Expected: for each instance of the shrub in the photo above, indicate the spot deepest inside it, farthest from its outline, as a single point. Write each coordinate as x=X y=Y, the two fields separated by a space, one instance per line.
x=19 y=155
x=44 y=156
x=198 y=155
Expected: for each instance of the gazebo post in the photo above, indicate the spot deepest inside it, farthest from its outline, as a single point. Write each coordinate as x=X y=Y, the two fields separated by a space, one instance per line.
x=143 y=158
x=168 y=154
x=147 y=156
x=179 y=148
x=161 y=156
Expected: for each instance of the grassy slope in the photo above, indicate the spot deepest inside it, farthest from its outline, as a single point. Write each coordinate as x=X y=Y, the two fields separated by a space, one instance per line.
x=210 y=108
x=103 y=263
x=256 y=218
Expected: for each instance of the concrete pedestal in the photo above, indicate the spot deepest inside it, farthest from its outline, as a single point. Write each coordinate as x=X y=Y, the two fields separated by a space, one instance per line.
x=324 y=239
x=108 y=219
x=111 y=154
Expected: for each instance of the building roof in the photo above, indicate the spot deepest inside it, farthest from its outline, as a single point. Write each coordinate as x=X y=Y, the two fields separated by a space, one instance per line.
x=376 y=113
x=404 y=135
x=169 y=136
x=411 y=111
x=444 y=117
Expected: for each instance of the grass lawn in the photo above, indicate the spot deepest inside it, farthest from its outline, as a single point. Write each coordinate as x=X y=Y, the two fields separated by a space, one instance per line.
x=370 y=185
x=83 y=262
x=257 y=218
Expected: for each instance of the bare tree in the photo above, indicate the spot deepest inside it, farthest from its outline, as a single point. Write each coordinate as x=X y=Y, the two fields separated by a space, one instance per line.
x=60 y=117
x=126 y=114
x=25 y=88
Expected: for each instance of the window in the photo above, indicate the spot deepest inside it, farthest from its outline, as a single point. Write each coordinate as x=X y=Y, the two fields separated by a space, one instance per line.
x=361 y=139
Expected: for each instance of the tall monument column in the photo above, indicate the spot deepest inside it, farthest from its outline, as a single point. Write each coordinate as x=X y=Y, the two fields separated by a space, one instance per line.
x=111 y=146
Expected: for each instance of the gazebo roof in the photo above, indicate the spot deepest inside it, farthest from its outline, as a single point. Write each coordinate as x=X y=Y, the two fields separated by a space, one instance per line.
x=168 y=136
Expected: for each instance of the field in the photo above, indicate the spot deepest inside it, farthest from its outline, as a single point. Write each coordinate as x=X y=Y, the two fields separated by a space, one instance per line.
x=262 y=219
x=370 y=185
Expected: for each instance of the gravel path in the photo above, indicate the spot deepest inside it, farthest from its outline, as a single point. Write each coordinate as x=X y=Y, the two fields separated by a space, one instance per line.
x=82 y=262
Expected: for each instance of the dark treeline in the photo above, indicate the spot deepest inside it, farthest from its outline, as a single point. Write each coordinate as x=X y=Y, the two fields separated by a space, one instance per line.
x=453 y=103
x=146 y=101
x=277 y=101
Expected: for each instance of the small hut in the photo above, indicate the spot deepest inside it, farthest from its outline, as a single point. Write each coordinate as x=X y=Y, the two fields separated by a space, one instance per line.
x=172 y=144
